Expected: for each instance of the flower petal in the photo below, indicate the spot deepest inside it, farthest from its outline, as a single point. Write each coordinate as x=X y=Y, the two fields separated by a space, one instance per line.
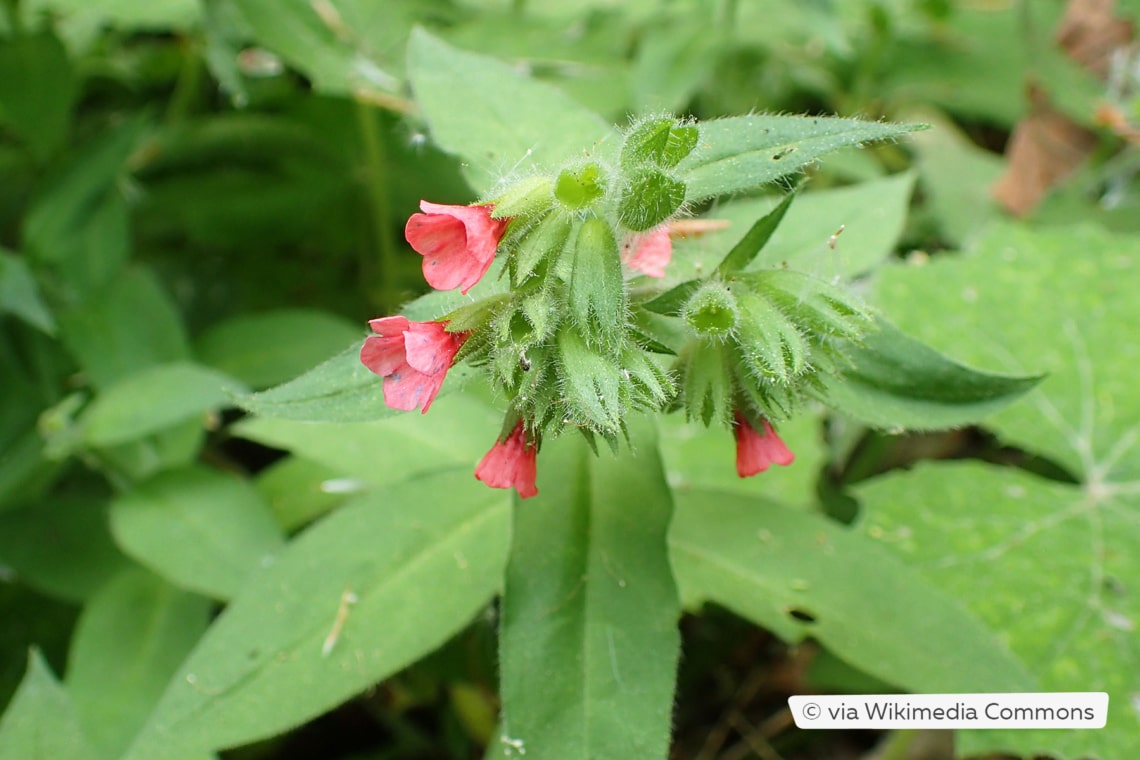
x=429 y=347
x=650 y=252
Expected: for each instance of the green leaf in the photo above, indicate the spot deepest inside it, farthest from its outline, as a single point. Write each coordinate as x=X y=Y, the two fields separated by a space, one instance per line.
x=299 y=490
x=130 y=639
x=40 y=722
x=896 y=381
x=20 y=294
x=37 y=91
x=155 y=399
x=1049 y=567
x=61 y=546
x=1059 y=302
x=801 y=575
x=455 y=434
x=129 y=15
x=79 y=223
x=109 y=339
x=200 y=529
x=589 y=594
x=328 y=42
x=1055 y=559
x=497 y=120
x=269 y=348
x=755 y=239
x=747 y=152
x=294 y=644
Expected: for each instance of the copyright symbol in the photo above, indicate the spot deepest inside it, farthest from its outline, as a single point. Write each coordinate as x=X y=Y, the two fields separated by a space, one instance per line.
x=811 y=711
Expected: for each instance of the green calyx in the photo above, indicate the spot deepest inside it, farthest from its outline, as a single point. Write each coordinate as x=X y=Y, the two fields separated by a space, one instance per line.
x=528 y=197
x=712 y=311
x=660 y=142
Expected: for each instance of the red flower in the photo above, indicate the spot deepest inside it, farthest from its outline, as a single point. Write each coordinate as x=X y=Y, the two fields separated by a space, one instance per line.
x=412 y=357
x=458 y=243
x=649 y=252
x=510 y=464
x=755 y=452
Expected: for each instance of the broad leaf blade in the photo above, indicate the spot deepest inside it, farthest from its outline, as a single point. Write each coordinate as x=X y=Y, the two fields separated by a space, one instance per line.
x=153 y=400
x=278 y=656
x=747 y=152
x=493 y=117
x=898 y=382
x=780 y=567
x=1050 y=567
x=200 y=529
x=590 y=595
x=130 y=639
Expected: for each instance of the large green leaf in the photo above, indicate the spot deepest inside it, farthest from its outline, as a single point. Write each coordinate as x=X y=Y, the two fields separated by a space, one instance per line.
x=364 y=592
x=896 y=381
x=40 y=722
x=802 y=575
x=129 y=640
x=497 y=120
x=155 y=399
x=747 y=152
x=200 y=529
x=1049 y=567
x=590 y=597
x=1060 y=556
x=20 y=295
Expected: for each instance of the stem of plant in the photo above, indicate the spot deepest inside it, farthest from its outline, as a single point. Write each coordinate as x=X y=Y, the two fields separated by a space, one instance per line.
x=380 y=279
x=187 y=84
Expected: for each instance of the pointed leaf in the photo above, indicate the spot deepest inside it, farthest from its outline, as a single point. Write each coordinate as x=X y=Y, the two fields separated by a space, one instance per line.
x=898 y=382
x=747 y=152
x=755 y=239
x=342 y=608
x=589 y=594
x=40 y=722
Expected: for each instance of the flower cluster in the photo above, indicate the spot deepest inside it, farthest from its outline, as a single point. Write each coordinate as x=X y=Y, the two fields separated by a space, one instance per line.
x=570 y=344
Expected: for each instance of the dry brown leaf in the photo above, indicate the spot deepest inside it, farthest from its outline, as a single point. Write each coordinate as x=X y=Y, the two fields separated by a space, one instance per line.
x=1045 y=148
x=1089 y=32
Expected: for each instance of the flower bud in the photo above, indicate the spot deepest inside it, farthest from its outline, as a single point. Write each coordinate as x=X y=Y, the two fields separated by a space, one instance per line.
x=660 y=142
x=595 y=394
x=708 y=385
x=528 y=197
x=770 y=345
x=578 y=188
x=597 y=297
x=712 y=310
x=650 y=197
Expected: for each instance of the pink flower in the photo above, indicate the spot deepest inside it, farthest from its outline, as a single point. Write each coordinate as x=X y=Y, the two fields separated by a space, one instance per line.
x=755 y=452
x=649 y=252
x=412 y=357
x=510 y=464
x=458 y=243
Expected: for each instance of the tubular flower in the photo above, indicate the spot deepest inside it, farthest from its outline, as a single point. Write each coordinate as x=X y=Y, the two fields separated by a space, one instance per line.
x=458 y=243
x=649 y=252
x=412 y=357
x=755 y=451
x=511 y=464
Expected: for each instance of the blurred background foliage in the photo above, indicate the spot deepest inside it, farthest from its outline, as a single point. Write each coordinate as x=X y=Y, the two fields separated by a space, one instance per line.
x=195 y=189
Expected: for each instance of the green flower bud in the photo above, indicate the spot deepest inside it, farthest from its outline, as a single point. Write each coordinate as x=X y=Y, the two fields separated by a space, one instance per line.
x=651 y=197
x=597 y=297
x=815 y=305
x=578 y=188
x=660 y=142
x=712 y=310
x=770 y=345
x=531 y=196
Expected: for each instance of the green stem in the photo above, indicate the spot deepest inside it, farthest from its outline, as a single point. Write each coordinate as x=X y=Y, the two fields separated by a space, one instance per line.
x=187 y=85
x=380 y=280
